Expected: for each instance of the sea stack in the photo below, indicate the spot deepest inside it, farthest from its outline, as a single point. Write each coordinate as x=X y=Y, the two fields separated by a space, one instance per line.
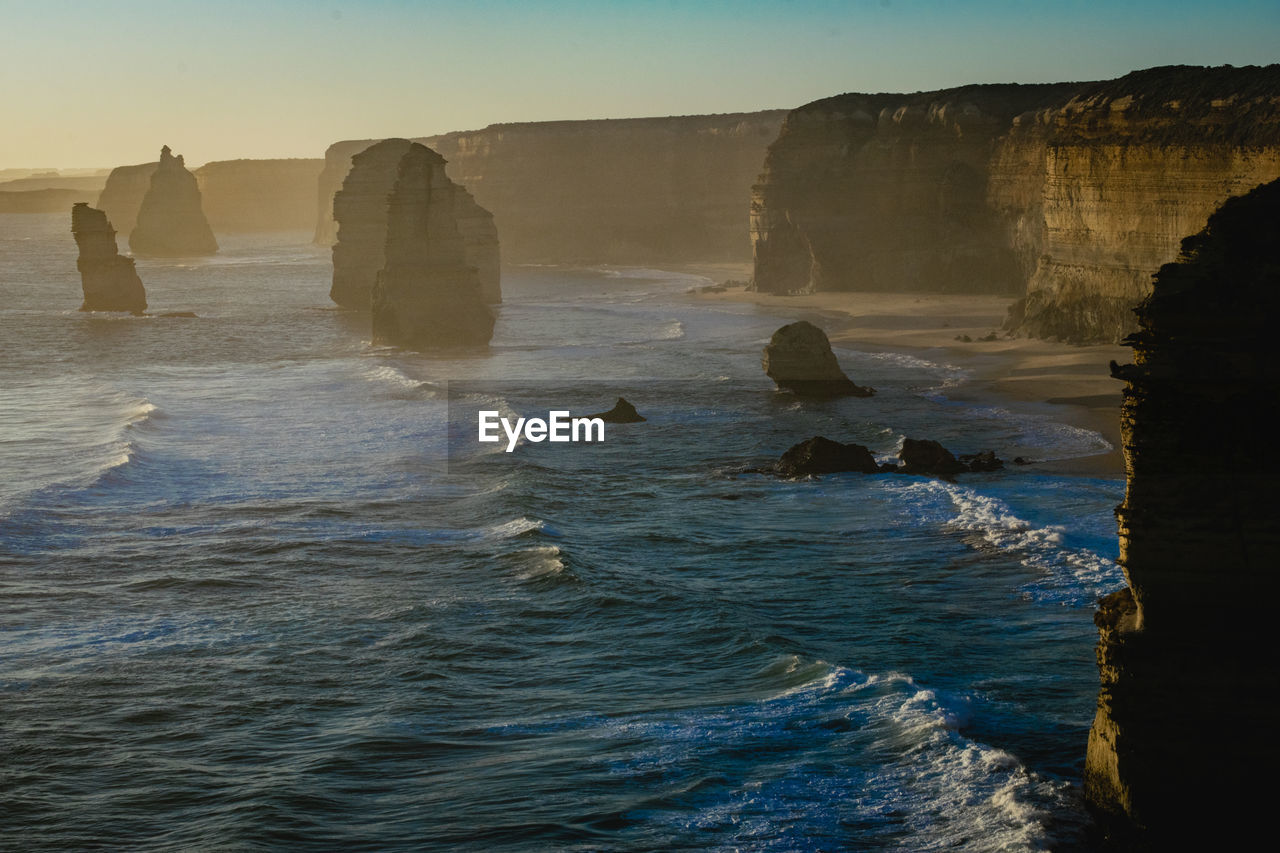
x=427 y=295
x=1183 y=739
x=799 y=359
x=109 y=281
x=171 y=223
x=360 y=210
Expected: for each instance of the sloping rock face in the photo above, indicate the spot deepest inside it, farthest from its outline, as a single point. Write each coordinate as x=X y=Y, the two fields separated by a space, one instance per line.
x=799 y=359
x=427 y=295
x=1189 y=682
x=1071 y=195
x=259 y=195
x=171 y=222
x=109 y=281
x=121 y=198
x=619 y=191
x=361 y=211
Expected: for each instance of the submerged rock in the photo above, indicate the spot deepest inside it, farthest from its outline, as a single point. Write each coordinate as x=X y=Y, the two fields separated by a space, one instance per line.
x=109 y=280
x=820 y=455
x=360 y=211
x=426 y=294
x=799 y=359
x=621 y=413
x=171 y=223
x=1189 y=685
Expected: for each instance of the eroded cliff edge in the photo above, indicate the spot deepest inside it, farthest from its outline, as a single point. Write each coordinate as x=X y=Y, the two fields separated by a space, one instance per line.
x=620 y=191
x=1070 y=195
x=1186 y=709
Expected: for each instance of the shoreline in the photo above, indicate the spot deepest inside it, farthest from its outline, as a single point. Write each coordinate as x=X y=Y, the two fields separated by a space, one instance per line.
x=1070 y=382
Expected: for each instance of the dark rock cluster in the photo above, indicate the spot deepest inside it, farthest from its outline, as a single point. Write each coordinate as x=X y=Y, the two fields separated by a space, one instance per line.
x=821 y=455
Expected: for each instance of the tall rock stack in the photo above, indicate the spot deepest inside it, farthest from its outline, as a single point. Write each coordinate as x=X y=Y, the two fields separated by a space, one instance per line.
x=427 y=295
x=171 y=223
x=109 y=281
x=480 y=242
x=1182 y=747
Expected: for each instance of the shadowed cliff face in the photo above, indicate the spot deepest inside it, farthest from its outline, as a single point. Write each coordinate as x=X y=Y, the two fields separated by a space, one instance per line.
x=361 y=211
x=1070 y=194
x=171 y=222
x=122 y=196
x=426 y=295
x=259 y=195
x=610 y=191
x=1189 y=682
x=109 y=281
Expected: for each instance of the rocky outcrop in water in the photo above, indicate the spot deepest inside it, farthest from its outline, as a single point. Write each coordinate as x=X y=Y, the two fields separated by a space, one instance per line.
x=122 y=196
x=426 y=295
x=361 y=211
x=821 y=455
x=621 y=191
x=171 y=223
x=109 y=280
x=1070 y=195
x=1189 y=683
x=621 y=413
x=799 y=359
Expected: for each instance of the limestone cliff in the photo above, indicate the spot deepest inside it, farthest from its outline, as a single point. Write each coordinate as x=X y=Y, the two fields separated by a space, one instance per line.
x=610 y=191
x=109 y=281
x=42 y=201
x=1189 y=682
x=361 y=209
x=1071 y=195
x=259 y=195
x=122 y=196
x=426 y=295
x=171 y=222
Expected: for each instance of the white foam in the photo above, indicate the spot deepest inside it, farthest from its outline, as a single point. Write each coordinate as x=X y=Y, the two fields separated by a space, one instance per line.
x=543 y=561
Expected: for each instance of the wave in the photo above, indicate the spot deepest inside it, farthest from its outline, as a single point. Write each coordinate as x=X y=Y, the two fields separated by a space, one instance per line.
x=1072 y=576
x=403 y=386
x=542 y=562
x=521 y=526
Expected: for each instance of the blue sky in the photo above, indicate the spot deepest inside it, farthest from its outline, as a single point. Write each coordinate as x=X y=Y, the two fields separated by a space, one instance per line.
x=97 y=83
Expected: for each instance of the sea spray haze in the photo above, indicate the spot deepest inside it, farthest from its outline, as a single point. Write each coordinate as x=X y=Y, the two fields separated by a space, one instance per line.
x=247 y=603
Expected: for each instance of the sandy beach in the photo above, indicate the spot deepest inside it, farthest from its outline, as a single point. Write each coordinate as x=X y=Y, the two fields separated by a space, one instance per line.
x=1072 y=382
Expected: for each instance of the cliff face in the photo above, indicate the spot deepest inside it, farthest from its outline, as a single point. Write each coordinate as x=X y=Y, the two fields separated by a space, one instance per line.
x=109 y=281
x=361 y=211
x=171 y=222
x=259 y=195
x=609 y=191
x=427 y=295
x=1189 y=683
x=42 y=201
x=1071 y=195
x=122 y=196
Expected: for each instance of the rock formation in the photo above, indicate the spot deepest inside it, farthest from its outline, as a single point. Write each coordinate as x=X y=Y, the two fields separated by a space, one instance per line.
x=122 y=196
x=426 y=294
x=361 y=209
x=171 y=223
x=259 y=195
x=820 y=455
x=1070 y=195
x=42 y=201
x=621 y=413
x=109 y=281
x=1182 y=741
x=621 y=191
x=799 y=359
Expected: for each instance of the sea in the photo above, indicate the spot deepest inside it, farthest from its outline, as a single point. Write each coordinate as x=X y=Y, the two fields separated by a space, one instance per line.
x=262 y=589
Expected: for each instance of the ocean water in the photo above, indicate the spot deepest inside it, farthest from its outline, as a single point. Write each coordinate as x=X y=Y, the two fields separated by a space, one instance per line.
x=253 y=598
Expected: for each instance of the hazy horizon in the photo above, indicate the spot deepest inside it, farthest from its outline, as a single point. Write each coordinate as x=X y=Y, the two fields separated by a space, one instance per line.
x=95 y=88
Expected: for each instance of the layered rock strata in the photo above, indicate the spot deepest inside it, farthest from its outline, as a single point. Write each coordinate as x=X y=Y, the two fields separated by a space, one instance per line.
x=621 y=191
x=798 y=358
x=109 y=280
x=361 y=211
x=1189 y=682
x=1070 y=195
x=427 y=295
x=171 y=222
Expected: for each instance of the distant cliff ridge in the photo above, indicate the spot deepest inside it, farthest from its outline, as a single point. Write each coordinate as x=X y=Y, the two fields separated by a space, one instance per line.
x=1070 y=195
x=608 y=191
x=1189 y=688
x=238 y=195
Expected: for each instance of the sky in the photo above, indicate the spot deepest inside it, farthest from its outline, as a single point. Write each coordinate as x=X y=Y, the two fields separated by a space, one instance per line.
x=107 y=83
